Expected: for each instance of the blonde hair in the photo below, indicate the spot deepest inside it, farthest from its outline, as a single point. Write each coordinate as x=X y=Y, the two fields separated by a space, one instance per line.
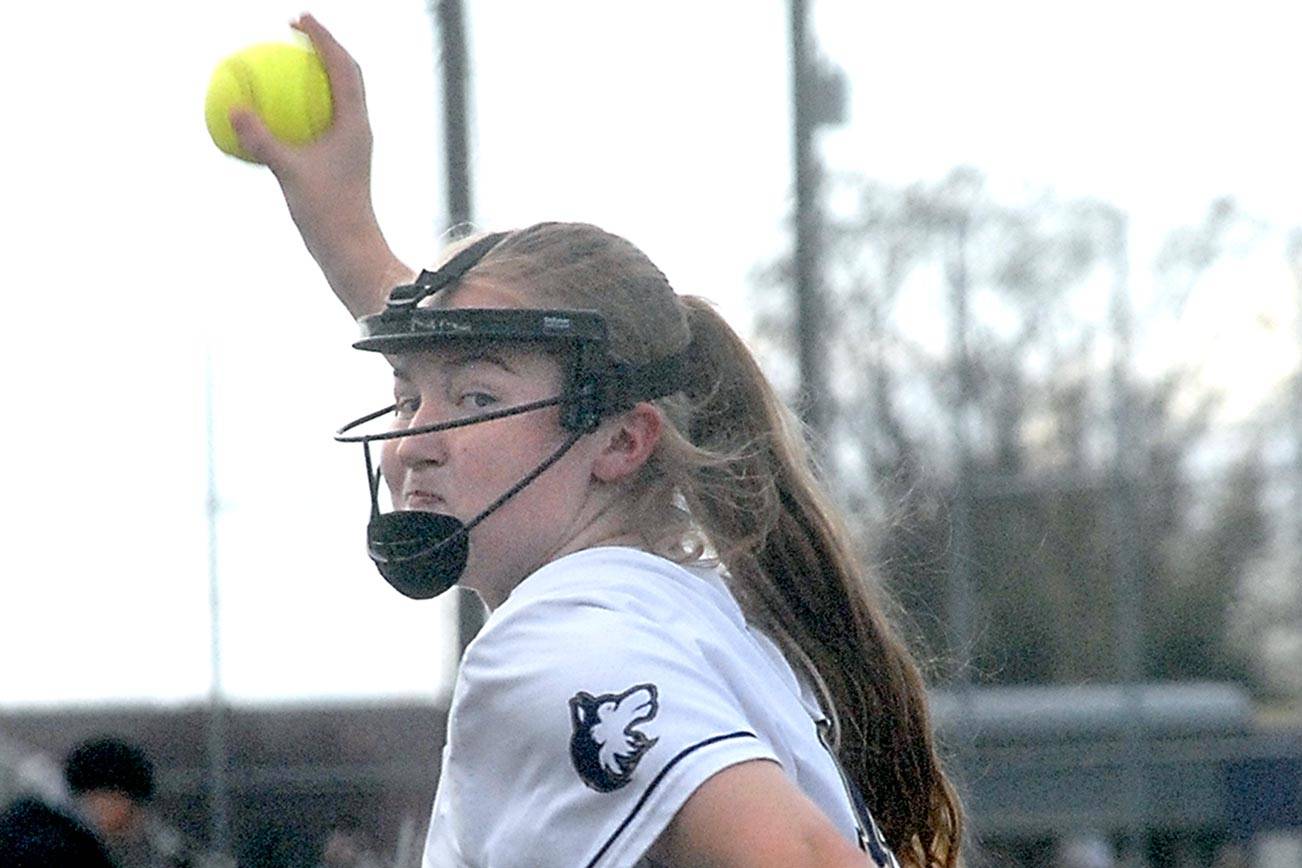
x=732 y=473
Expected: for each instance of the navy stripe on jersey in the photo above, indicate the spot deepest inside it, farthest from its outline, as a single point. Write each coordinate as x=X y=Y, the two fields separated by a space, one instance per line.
x=870 y=837
x=651 y=788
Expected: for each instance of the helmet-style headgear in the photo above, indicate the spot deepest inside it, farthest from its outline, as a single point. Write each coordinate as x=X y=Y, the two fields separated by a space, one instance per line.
x=422 y=554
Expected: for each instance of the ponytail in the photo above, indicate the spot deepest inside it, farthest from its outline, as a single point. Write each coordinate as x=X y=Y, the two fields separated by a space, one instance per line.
x=731 y=473
x=794 y=571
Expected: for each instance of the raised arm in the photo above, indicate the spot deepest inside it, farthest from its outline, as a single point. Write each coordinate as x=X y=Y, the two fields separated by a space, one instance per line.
x=327 y=184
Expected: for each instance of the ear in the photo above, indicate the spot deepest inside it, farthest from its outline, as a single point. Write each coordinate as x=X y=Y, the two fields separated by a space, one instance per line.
x=630 y=438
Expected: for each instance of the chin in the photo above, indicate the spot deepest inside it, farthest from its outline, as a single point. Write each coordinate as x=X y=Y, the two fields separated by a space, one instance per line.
x=492 y=585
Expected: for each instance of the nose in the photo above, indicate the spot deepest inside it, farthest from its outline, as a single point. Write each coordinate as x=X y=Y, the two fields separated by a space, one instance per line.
x=420 y=449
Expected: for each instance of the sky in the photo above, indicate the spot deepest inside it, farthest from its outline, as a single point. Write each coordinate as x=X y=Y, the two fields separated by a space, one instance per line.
x=144 y=264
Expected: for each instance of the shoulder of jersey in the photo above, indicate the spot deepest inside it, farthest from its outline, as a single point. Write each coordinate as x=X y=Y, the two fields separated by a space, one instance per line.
x=611 y=576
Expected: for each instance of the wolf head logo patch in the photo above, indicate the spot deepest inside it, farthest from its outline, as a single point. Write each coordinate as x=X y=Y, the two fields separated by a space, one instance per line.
x=606 y=745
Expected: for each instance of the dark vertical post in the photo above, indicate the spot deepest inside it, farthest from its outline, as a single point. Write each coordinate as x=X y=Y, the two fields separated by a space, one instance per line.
x=455 y=63
x=218 y=797
x=811 y=340
x=456 y=123
x=961 y=586
x=1126 y=573
x=1295 y=260
x=961 y=590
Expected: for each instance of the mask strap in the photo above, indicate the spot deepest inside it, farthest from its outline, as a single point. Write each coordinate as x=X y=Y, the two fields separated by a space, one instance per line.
x=530 y=477
x=342 y=435
x=372 y=480
x=430 y=282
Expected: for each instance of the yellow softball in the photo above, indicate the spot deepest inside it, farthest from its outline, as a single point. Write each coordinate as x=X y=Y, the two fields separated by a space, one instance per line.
x=285 y=84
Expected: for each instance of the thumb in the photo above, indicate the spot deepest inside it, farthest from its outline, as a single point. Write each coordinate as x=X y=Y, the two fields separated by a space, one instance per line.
x=255 y=139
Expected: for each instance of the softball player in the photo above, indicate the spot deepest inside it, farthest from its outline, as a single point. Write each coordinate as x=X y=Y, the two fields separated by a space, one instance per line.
x=684 y=664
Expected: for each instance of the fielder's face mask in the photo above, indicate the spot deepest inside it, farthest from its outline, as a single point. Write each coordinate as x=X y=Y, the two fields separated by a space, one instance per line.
x=422 y=554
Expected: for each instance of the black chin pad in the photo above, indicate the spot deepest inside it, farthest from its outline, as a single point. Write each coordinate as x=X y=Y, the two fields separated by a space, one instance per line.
x=421 y=554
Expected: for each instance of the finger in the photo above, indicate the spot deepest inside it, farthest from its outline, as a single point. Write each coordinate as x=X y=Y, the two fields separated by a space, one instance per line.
x=345 y=74
x=256 y=140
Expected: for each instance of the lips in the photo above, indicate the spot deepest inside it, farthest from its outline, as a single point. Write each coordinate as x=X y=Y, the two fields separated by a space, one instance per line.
x=426 y=501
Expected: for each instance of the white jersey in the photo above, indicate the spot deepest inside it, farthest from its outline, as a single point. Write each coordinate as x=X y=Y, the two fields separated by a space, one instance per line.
x=608 y=687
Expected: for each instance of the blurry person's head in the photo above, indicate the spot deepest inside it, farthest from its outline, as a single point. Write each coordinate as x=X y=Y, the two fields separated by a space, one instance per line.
x=112 y=781
x=1085 y=850
x=347 y=847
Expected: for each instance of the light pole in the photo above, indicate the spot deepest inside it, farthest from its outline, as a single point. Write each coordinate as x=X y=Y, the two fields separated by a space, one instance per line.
x=1127 y=582
x=218 y=798
x=818 y=99
x=455 y=64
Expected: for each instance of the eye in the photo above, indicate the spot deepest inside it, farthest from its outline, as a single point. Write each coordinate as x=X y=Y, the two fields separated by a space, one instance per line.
x=405 y=406
x=476 y=400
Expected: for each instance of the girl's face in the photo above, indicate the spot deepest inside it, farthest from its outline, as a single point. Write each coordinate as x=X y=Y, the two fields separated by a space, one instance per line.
x=461 y=471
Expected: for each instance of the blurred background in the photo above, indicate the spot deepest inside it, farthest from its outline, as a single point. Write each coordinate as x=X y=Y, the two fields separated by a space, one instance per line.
x=1032 y=271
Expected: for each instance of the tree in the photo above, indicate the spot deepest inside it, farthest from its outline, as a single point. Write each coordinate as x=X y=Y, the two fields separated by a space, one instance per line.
x=973 y=428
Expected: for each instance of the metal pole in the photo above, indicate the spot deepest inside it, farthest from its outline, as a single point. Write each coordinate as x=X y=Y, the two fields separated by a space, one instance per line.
x=1295 y=260
x=456 y=124
x=810 y=334
x=961 y=592
x=455 y=62
x=961 y=605
x=218 y=824
x=1126 y=577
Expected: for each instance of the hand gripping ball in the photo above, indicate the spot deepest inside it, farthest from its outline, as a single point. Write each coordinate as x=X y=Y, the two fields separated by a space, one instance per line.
x=285 y=84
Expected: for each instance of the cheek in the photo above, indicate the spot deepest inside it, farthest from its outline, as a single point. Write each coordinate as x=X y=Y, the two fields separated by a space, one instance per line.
x=487 y=464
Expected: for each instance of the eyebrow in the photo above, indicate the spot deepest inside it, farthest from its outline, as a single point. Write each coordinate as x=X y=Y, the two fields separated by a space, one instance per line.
x=460 y=359
x=471 y=356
